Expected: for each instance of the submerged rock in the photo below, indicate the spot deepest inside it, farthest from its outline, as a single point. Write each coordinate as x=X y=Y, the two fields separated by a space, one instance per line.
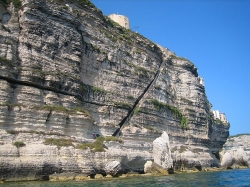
x=62 y=177
x=154 y=169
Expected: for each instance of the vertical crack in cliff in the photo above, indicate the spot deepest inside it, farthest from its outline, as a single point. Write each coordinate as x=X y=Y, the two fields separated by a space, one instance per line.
x=138 y=101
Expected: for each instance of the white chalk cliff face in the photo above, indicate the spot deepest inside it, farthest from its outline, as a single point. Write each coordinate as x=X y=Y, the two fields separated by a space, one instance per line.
x=236 y=151
x=68 y=72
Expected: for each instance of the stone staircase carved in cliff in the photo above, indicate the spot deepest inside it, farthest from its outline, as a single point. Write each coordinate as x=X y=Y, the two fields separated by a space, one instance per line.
x=139 y=101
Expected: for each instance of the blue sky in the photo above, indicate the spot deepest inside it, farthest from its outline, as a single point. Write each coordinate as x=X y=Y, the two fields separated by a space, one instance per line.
x=213 y=34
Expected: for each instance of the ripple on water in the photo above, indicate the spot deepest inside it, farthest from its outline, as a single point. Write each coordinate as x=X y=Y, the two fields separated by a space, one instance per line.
x=232 y=178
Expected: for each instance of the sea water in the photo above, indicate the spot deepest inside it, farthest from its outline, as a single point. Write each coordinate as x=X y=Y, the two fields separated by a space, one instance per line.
x=228 y=178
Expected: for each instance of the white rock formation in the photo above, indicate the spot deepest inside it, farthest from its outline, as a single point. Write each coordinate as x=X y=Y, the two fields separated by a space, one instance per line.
x=238 y=149
x=112 y=168
x=161 y=151
x=226 y=160
x=147 y=166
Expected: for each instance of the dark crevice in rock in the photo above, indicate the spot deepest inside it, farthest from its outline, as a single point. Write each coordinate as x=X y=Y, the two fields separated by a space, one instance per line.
x=67 y=120
x=32 y=84
x=48 y=117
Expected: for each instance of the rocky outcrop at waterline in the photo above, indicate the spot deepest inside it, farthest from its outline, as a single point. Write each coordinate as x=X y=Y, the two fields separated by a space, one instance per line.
x=69 y=74
x=236 y=152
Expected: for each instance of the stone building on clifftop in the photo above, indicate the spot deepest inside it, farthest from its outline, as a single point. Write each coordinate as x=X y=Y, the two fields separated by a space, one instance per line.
x=220 y=116
x=121 y=20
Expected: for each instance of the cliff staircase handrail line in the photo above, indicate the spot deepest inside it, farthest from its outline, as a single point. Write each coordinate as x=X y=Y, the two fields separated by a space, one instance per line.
x=138 y=101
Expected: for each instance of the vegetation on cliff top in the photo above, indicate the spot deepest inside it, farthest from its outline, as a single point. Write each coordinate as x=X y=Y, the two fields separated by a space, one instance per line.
x=180 y=58
x=18 y=3
x=81 y=2
x=238 y=135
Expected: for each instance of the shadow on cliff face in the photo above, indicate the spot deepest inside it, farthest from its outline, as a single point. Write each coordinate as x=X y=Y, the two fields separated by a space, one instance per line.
x=46 y=170
x=28 y=172
x=135 y=164
x=184 y=164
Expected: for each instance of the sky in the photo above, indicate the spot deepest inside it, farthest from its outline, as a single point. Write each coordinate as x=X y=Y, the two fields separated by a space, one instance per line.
x=213 y=34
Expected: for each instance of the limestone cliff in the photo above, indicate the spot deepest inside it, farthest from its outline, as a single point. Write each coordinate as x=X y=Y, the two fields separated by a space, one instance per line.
x=68 y=72
x=236 y=151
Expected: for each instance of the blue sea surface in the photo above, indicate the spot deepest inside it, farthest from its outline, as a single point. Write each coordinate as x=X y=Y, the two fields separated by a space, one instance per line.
x=228 y=178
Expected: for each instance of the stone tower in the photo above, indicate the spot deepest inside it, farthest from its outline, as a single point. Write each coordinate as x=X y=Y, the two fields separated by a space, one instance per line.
x=121 y=20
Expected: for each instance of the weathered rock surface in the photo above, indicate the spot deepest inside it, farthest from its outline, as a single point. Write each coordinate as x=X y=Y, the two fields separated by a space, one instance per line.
x=236 y=152
x=68 y=72
x=161 y=151
x=154 y=168
x=113 y=168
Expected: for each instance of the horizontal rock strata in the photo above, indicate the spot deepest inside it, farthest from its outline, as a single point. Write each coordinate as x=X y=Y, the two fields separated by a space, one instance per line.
x=236 y=152
x=69 y=74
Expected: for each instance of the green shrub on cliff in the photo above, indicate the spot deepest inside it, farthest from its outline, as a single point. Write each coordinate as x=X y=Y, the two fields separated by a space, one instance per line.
x=136 y=111
x=153 y=129
x=157 y=87
x=97 y=145
x=184 y=121
x=51 y=108
x=130 y=97
x=174 y=149
x=183 y=148
x=141 y=71
x=112 y=138
x=158 y=105
x=16 y=132
x=3 y=59
x=58 y=142
x=123 y=105
x=63 y=109
x=179 y=58
x=13 y=132
x=96 y=89
x=19 y=144
x=16 y=3
x=82 y=2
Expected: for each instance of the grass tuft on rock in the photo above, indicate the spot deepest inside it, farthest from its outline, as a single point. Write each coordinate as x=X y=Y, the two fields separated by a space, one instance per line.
x=158 y=105
x=58 y=142
x=63 y=109
x=97 y=145
x=19 y=144
x=123 y=105
x=16 y=132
